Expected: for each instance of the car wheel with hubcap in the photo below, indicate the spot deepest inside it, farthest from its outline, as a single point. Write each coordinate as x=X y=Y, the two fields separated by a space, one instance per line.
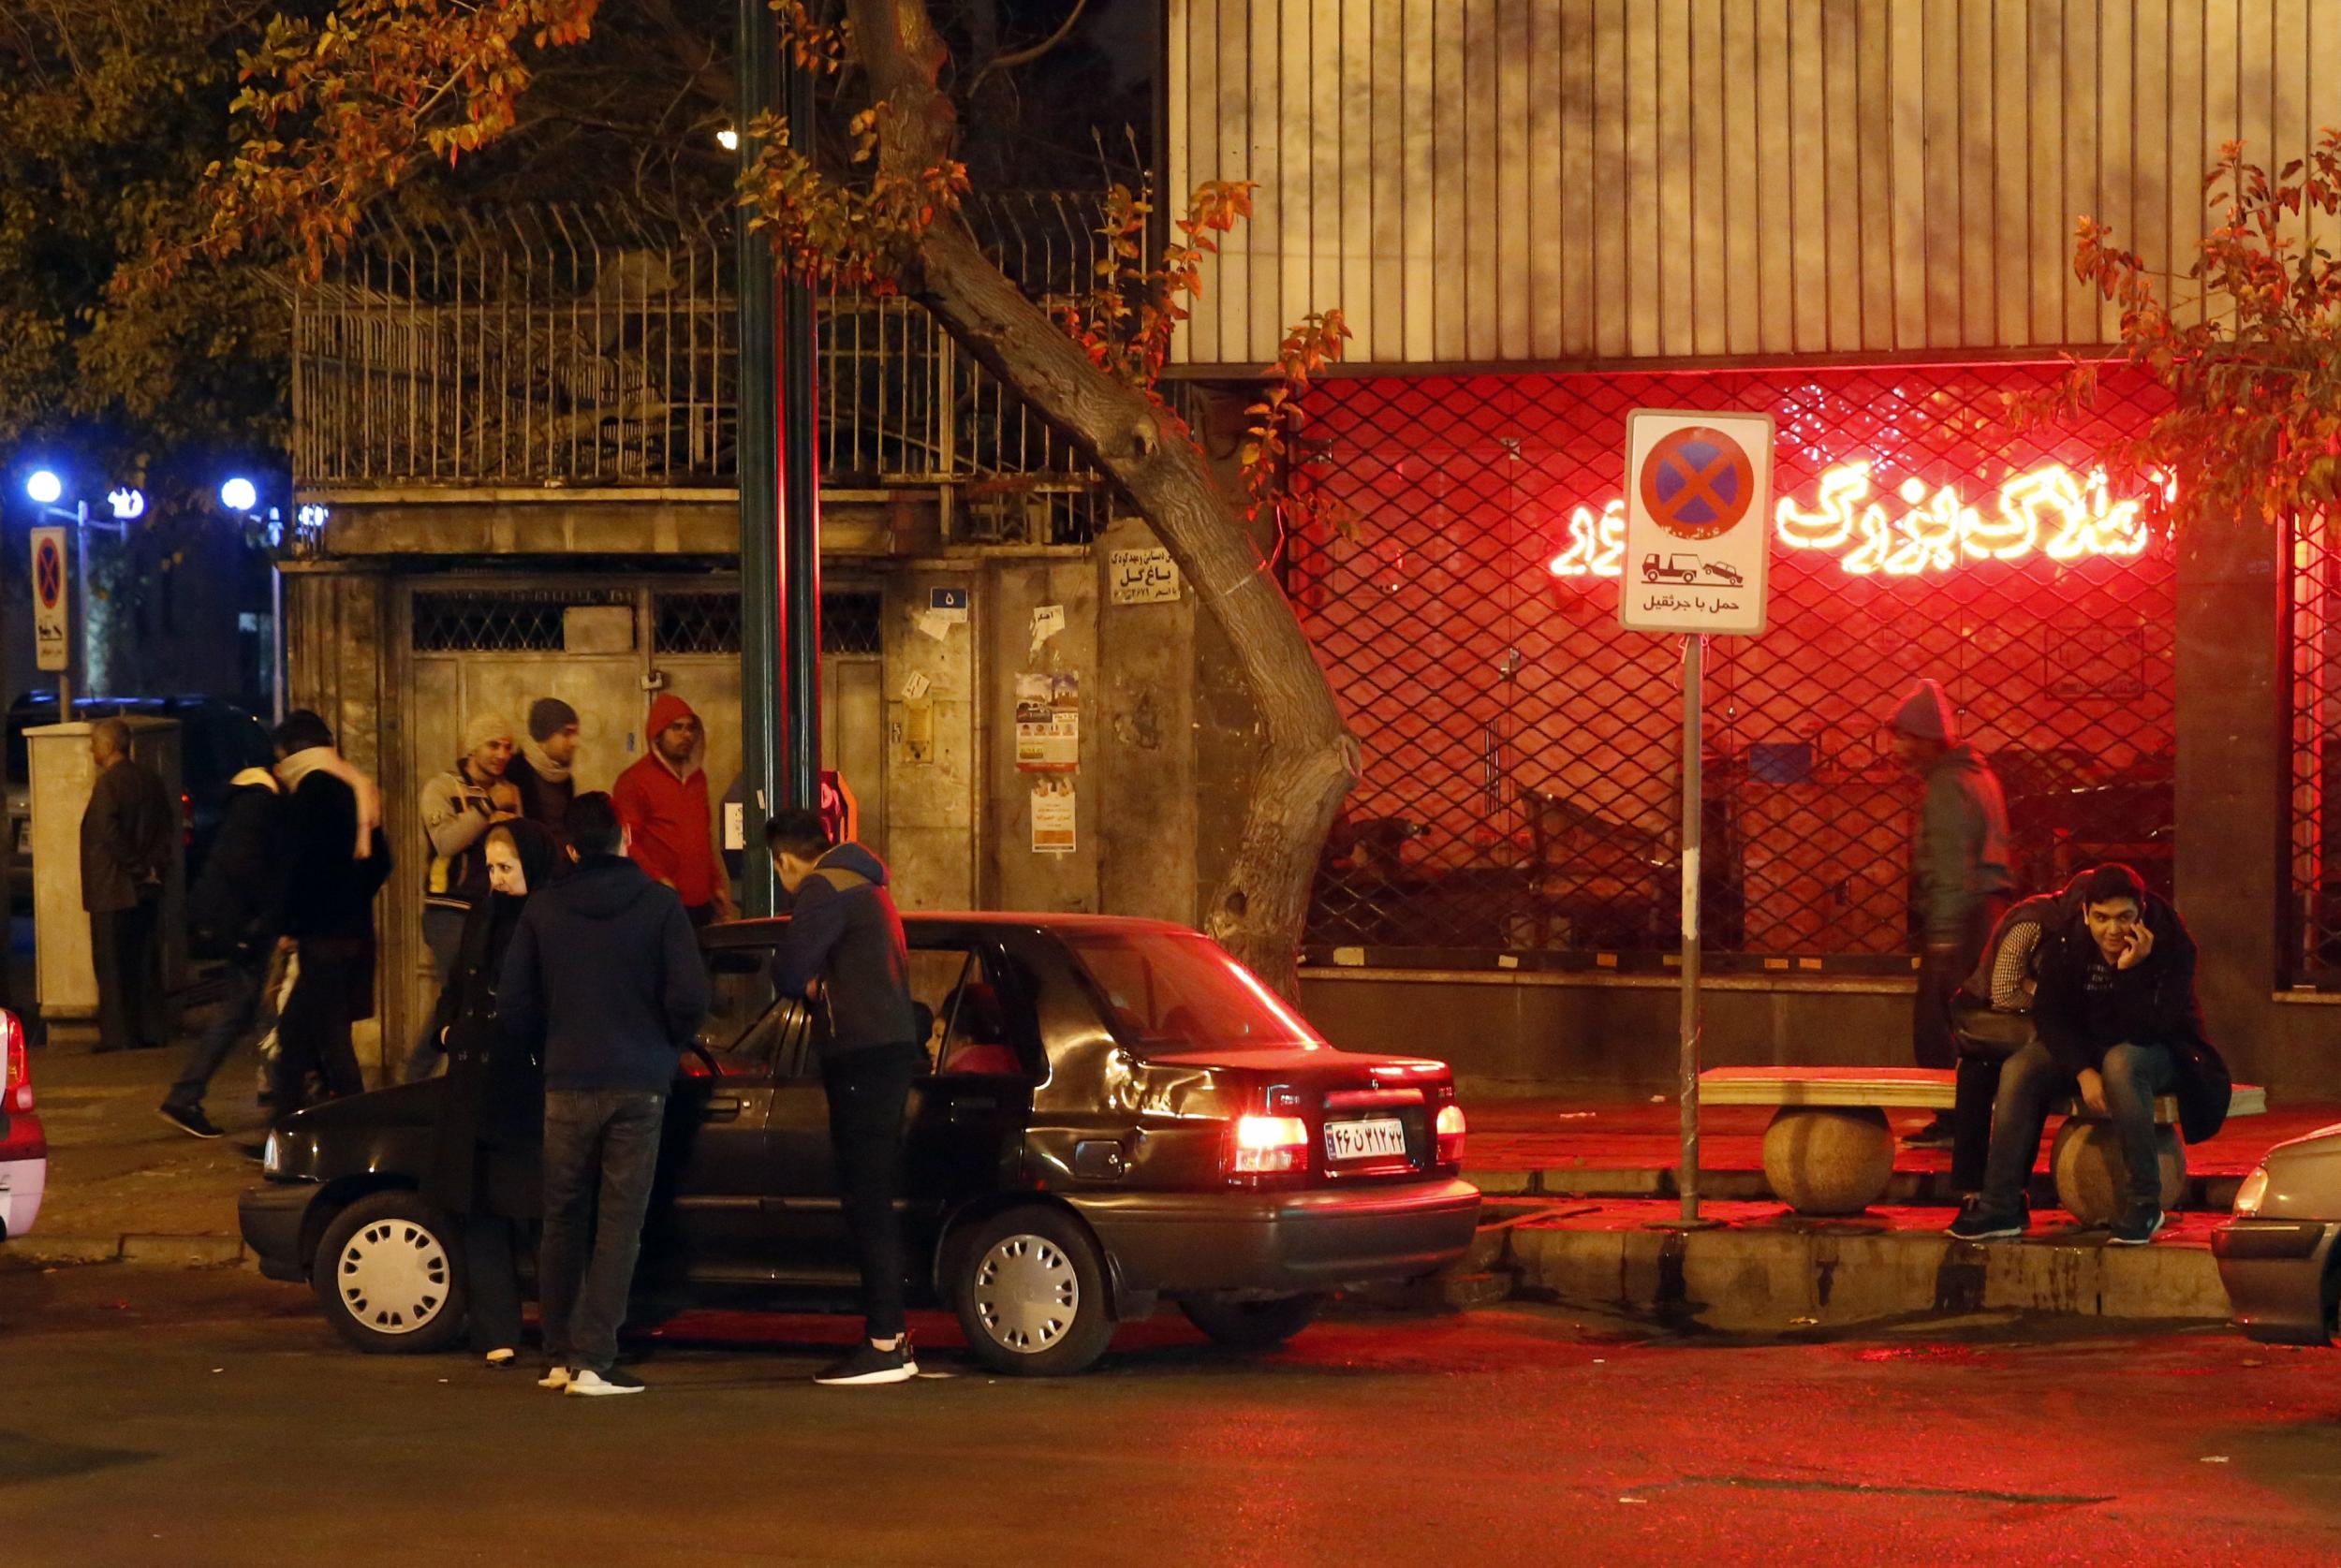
x=1030 y=1289
x=387 y=1275
x=1252 y=1325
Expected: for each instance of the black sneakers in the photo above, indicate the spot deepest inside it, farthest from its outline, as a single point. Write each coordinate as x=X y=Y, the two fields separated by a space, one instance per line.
x=868 y=1367
x=191 y=1120
x=594 y=1385
x=2136 y=1229
x=1934 y=1134
x=1977 y=1223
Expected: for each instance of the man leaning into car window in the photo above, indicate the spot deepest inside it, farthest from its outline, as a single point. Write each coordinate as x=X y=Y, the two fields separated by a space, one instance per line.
x=844 y=951
x=2116 y=1022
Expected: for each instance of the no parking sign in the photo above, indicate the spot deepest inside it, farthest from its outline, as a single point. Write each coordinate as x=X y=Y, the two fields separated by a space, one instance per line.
x=1698 y=500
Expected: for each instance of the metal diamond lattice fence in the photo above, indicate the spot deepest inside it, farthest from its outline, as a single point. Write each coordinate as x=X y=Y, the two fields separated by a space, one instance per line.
x=2313 y=943
x=1522 y=790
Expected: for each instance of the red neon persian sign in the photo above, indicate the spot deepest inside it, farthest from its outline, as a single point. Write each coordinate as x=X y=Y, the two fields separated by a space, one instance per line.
x=2050 y=510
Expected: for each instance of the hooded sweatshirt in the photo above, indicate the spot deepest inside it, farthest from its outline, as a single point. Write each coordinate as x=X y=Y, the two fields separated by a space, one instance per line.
x=1962 y=853
x=666 y=810
x=843 y=932
x=604 y=970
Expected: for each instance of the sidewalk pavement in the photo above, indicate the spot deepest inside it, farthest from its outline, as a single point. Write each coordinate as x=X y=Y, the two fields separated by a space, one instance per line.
x=1573 y=1188
x=122 y=1180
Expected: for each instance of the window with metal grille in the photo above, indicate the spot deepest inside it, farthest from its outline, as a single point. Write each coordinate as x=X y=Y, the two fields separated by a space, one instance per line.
x=1521 y=789
x=853 y=621
x=709 y=623
x=510 y=622
x=2313 y=945
x=706 y=623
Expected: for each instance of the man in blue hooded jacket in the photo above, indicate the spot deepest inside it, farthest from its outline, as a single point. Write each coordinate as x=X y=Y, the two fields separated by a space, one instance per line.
x=844 y=951
x=1960 y=883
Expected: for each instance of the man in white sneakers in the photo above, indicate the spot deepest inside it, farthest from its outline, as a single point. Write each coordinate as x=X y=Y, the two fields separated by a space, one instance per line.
x=605 y=972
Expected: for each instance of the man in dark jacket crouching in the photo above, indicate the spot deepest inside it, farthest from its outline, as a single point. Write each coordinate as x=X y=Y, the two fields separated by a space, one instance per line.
x=2116 y=1021
x=844 y=952
x=605 y=970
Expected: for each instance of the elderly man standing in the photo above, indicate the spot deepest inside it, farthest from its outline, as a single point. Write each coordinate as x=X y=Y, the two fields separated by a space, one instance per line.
x=1960 y=882
x=125 y=853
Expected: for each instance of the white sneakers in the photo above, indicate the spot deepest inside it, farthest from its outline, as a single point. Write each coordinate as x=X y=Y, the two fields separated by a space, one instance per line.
x=556 y=1378
x=594 y=1385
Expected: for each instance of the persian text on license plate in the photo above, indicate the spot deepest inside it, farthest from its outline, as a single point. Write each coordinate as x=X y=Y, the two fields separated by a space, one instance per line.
x=1383 y=1138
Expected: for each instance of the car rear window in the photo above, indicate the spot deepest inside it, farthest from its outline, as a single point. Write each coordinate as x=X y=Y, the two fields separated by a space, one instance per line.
x=1170 y=991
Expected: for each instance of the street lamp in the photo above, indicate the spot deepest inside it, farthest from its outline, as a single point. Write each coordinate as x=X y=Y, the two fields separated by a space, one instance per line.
x=239 y=495
x=44 y=487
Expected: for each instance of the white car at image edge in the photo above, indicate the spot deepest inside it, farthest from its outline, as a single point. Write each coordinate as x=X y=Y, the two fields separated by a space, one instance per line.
x=24 y=1148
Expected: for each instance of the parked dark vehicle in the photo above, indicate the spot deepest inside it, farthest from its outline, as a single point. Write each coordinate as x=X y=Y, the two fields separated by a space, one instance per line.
x=1120 y=1114
x=217 y=741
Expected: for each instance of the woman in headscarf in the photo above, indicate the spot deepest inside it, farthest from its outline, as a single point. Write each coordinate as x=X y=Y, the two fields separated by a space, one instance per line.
x=492 y=1105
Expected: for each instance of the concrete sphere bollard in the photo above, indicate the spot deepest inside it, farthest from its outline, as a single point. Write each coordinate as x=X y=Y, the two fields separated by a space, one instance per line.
x=1828 y=1160
x=2091 y=1178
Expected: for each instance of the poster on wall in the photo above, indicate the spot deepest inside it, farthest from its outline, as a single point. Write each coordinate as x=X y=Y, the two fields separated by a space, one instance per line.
x=1047 y=722
x=1053 y=816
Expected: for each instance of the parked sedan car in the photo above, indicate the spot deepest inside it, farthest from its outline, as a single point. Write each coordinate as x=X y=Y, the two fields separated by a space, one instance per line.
x=23 y=1147
x=2276 y=1252
x=1119 y=1114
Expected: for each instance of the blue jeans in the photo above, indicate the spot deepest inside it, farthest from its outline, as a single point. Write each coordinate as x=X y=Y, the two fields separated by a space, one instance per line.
x=601 y=1154
x=2031 y=1078
x=245 y=1010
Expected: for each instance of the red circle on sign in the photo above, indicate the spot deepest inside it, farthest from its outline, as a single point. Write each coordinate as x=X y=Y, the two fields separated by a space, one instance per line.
x=1697 y=482
x=48 y=572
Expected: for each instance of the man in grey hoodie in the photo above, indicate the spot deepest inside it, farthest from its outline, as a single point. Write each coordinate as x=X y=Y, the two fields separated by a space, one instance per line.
x=1960 y=883
x=843 y=952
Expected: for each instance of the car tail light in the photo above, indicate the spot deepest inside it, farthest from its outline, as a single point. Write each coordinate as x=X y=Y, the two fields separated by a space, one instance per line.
x=1266 y=1144
x=1451 y=1134
x=16 y=1072
x=2253 y=1192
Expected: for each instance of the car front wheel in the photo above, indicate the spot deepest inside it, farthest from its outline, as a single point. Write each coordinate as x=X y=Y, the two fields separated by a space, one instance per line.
x=1252 y=1325
x=1030 y=1289
x=387 y=1276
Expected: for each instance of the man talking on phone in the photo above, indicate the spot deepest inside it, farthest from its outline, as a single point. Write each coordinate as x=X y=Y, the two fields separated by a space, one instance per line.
x=2116 y=1023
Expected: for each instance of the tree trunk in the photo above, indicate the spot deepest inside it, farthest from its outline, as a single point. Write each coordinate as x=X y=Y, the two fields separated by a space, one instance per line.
x=1310 y=759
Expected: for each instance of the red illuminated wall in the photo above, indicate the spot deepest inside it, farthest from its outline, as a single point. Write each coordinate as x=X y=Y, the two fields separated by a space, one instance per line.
x=1527 y=749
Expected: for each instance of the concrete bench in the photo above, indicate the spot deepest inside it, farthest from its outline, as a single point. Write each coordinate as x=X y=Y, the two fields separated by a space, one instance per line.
x=1829 y=1151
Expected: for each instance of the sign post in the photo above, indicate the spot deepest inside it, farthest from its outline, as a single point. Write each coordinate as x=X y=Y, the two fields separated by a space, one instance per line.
x=52 y=627
x=1698 y=499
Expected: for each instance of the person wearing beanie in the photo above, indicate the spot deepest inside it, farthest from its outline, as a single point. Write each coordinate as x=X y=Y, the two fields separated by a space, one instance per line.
x=1960 y=882
x=459 y=806
x=544 y=773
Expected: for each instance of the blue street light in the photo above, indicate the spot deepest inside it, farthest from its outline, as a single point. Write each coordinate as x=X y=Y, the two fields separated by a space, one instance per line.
x=44 y=487
x=239 y=495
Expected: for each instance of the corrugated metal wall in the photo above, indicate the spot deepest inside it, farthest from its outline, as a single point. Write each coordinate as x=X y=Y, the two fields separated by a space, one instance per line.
x=1557 y=180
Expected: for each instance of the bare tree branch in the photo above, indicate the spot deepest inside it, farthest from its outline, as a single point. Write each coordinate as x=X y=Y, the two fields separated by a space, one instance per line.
x=1016 y=58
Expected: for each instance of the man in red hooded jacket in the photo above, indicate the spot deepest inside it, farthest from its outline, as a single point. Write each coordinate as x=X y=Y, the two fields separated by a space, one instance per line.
x=662 y=800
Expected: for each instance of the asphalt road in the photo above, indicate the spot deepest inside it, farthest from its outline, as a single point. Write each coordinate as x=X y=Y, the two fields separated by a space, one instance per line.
x=151 y=1415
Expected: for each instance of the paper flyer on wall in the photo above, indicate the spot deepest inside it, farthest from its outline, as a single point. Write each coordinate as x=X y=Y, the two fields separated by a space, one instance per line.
x=1047 y=722
x=1052 y=831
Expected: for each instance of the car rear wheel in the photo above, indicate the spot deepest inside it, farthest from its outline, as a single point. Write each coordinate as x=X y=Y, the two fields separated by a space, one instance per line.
x=386 y=1274
x=1252 y=1325
x=1030 y=1289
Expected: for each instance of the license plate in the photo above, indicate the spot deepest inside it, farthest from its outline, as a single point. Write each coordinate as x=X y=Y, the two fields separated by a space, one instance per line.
x=1383 y=1138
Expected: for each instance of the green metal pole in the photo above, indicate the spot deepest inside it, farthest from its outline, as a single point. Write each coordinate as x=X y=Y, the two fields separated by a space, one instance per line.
x=759 y=460
x=800 y=504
